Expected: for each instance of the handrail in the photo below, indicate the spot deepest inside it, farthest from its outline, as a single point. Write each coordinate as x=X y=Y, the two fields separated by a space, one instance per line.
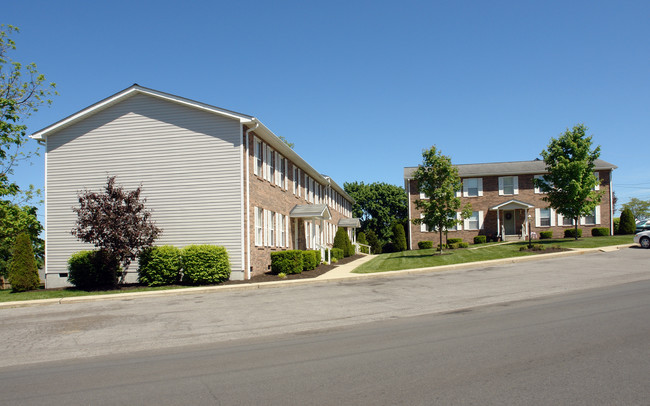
x=364 y=245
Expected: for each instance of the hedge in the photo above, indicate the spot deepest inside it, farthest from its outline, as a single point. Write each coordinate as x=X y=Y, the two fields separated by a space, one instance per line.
x=205 y=264
x=287 y=262
x=336 y=253
x=310 y=259
x=457 y=245
x=600 y=232
x=480 y=239
x=571 y=233
x=424 y=245
x=159 y=266
x=545 y=235
x=90 y=270
x=454 y=240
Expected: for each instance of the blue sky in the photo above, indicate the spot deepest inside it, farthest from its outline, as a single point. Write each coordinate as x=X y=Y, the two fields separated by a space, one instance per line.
x=362 y=87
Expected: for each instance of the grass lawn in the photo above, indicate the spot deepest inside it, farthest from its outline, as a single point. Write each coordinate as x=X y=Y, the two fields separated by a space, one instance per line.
x=7 y=296
x=426 y=258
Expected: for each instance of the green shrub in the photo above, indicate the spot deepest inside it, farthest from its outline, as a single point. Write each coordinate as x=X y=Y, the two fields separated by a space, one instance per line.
x=373 y=241
x=599 y=232
x=388 y=248
x=627 y=225
x=337 y=253
x=617 y=223
x=310 y=260
x=205 y=264
x=424 y=245
x=91 y=270
x=342 y=241
x=287 y=262
x=454 y=240
x=463 y=244
x=545 y=235
x=159 y=266
x=571 y=233
x=480 y=239
x=399 y=237
x=444 y=246
x=23 y=274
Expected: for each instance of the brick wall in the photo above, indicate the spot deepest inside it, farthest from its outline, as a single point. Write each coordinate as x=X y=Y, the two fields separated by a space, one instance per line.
x=267 y=195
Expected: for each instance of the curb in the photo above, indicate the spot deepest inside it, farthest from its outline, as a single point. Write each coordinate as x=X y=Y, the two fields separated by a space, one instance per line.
x=309 y=281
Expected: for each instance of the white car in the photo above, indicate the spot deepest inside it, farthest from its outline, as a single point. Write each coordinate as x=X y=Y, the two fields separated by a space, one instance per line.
x=643 y=239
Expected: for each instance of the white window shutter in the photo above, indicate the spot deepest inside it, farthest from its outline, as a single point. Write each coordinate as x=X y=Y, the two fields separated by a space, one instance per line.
x=515 y=184
x=459 y=225
x=466 y=223
x=597 y=215
x=597 y=174
x=560 y=219
x=423 y=227
x=422 y=195
x=582 y=221
x=500 y=186
x=458 y=193
x=537 y=219
x=480 y=186
x=552 y=215
x=480 y=219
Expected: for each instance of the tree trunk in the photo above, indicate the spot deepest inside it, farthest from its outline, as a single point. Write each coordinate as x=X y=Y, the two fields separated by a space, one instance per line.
x=440 y=228
x=576 y=223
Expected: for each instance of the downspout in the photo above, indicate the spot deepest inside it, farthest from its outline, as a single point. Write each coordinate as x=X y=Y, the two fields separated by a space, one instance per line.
x=408 y=198
x=611 y=203
x=247 y=273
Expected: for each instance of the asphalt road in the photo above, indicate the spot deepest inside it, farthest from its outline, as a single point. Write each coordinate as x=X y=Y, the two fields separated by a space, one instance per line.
x=586 y=348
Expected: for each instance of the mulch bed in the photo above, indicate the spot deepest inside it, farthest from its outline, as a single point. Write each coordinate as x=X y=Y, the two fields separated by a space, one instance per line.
x=270 y=277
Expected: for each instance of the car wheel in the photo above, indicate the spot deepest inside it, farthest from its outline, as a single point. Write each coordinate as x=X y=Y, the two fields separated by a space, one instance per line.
x=645 y=242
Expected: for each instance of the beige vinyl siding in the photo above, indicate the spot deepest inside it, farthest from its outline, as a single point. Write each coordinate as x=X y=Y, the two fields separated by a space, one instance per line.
x=188 y=161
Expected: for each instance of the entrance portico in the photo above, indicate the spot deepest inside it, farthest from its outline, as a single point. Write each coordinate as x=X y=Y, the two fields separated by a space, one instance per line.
x=512 y=218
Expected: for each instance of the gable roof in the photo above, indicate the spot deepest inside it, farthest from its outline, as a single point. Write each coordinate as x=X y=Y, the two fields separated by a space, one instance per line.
x=130 y=91
x=506 y=168
x=250 y=121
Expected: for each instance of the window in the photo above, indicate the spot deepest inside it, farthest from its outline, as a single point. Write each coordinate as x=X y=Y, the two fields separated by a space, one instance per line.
x=295 y=180
x=544 y=217
x=597 y=175
x=311 y=190
x=475 y=221
x=473 y=187
x=508 y=185
x=541 y=178
x=593 y=218
x=566 y=221
x=282 y=232
x=306 y=187
x=259 y=157
x=455 y=226
x=271 y=241
x=279 y=161
x=258 y=227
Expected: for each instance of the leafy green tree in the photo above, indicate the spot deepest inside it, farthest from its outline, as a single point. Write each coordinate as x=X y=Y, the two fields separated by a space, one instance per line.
x=399 y=237
x=627 y=224
x=438 y=179
x=117 y=222
x=14 y=220
x=378 y=206
x=23 y=274
x=361 y=239
x=373 y=241
x=570 y=182
x=22 y=91
x=640 y=208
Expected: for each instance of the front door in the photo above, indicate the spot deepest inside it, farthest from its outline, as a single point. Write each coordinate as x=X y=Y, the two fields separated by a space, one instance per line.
x=509 y=222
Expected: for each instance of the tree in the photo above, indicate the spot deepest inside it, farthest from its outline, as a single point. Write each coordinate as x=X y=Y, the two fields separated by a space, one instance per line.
x=22 y=91
x=361 y=239
x=15 y=219
x=373 y=241
x=378 y=206
x=399 y=237
x=289 y=144
x=117 y=222
x=438 y=179
x=570 y=181
x=23 y=274
x=640 y=208
x=627 y=224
